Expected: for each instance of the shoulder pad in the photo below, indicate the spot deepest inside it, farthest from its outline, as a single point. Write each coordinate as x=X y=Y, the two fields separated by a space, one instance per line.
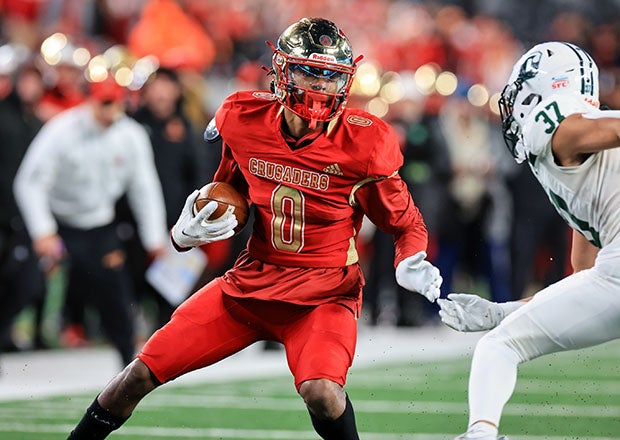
x=211 y=134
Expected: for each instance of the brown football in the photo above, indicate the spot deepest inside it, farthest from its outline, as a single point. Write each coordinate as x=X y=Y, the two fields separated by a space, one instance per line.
x=227 y=197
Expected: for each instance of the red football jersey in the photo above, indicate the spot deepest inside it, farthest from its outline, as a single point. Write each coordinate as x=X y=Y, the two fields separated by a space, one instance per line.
x=309 y=202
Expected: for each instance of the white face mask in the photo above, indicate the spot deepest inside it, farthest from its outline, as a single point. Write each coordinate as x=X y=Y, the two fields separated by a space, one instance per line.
x=519 y=153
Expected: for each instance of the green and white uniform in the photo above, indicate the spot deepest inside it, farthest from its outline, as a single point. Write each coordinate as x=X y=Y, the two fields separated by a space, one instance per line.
x=581 y=310
x=586 y=196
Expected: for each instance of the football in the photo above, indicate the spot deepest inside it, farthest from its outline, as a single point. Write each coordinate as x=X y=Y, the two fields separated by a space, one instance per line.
x=227 y=197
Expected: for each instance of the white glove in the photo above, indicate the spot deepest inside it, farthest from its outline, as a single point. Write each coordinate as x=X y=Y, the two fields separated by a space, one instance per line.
x=190 y=230
x=418 y=275
x=471 y=313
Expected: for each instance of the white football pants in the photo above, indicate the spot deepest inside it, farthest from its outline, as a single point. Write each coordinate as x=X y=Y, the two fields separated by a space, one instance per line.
x=579 y=311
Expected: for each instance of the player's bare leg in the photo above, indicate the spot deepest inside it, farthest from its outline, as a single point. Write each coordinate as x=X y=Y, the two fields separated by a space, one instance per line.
x=116 y=402
x=330 y=409
x=124 y=392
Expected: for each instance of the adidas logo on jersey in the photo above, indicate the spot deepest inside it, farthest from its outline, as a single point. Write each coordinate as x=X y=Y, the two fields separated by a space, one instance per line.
x=333 y=169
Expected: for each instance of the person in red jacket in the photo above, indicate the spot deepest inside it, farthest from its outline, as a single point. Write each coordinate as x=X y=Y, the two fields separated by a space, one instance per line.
x=311 y=169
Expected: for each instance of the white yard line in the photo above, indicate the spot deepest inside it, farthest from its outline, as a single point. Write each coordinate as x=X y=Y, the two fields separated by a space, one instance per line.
x=221 y=433
x=156 y=403
x=378 y=406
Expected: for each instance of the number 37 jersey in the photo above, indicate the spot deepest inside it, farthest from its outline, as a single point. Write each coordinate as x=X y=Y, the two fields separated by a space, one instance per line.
x=306 y=212
x=586 y=196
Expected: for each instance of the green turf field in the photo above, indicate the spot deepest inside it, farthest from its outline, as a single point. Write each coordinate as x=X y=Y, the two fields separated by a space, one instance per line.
x=566 y=396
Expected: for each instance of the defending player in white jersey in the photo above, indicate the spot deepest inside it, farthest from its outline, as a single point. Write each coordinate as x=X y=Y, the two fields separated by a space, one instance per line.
x=551 y=119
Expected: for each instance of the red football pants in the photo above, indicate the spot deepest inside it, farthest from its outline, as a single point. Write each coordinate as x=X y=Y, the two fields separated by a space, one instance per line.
x=210 y=326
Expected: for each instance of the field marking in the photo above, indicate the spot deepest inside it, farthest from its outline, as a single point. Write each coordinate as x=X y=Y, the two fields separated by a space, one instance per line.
x=155 y=403
x=383 y=406
x=221 y=433
x=561 y=386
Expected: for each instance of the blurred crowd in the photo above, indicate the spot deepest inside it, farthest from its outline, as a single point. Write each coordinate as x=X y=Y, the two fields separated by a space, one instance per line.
x=431 y=68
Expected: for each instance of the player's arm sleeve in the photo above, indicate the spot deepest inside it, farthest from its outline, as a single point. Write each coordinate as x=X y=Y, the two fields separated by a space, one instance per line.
x=601 y=114
x=228 y=170
x=34 y=179
x=144 y=194
x=385 y=198
x=388 y=204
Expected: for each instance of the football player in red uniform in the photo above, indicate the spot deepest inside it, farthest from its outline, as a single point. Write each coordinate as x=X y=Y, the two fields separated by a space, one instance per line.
x=312 y=169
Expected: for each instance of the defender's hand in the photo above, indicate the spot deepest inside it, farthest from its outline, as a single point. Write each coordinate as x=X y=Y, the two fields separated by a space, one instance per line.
x=471 y=313
x=190 y=231
x=418 y=275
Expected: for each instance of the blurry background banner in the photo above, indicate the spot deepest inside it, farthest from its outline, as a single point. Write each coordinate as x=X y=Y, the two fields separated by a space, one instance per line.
x=176 y=39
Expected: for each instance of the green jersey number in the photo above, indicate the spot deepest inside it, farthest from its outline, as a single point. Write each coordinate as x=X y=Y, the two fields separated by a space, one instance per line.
x=552 y=117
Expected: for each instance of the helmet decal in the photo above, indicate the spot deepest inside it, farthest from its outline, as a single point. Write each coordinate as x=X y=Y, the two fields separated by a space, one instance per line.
x=325 y=40
x=529 y=68
x=560 y=82
x=323 y=57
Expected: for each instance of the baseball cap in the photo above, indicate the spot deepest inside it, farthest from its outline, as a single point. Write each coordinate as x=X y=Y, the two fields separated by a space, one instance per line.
x=107 y=91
